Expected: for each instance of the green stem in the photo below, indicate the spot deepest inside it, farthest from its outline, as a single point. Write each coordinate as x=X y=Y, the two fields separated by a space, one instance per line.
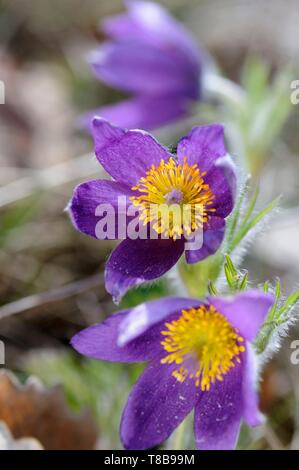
x=224 y=89
x=196 y=277
x=182 y=438
x=177 y=282
x=178 y=441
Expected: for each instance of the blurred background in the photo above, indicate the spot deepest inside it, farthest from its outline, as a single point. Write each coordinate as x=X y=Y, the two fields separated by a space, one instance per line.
x=51 y=277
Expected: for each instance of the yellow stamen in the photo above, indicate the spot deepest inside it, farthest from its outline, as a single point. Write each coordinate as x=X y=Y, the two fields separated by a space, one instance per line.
x=174 y=198
x=204 y=345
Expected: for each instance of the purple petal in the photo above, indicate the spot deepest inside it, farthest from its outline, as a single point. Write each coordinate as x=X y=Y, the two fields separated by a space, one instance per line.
x=155 y=18
x=100 y=342
x=202 y=146
x=205 y=147
x=218 y=413
x=213 y=236
x=87 y=197
x=136 y=261
x=223 y=182
x=246 y=311
x=142 y=112
x=152 y=24
x=122 y=26
x=126 y=155
x=141 y=68
x=157 y=404
x=251 y=413
x=144 y=316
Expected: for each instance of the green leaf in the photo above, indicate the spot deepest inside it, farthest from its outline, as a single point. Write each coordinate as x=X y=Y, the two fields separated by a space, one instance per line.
x=276 y=317
x=271 y=114
x=230 y=266
x=251 y=206
x=245 y=228
x=266 y=286
x=229 y=277
x=271 y=315
x=212 y=288
x=232 y=274
x=254 y=79
x=234 y=218
x=244 y=281
x=289 y=303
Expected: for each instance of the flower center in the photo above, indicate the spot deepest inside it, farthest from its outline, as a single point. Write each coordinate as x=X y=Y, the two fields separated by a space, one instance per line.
x=174 y=198
x=204 y=345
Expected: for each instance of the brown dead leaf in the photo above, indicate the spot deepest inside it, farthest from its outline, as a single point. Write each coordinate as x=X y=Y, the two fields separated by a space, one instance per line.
x=35 y=411
x=7 y=442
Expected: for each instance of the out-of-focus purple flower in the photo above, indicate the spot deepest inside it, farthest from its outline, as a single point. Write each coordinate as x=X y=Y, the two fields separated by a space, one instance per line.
x=199 y=357
x=148 y=176
x=152 y=56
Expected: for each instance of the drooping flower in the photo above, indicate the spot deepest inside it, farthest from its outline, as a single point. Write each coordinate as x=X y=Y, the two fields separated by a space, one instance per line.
x=153 y=57
x=201 y=175
x=200 y=358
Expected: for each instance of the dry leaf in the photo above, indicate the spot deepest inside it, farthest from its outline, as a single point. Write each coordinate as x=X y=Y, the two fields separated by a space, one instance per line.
x=7 y=442
x=33 y=410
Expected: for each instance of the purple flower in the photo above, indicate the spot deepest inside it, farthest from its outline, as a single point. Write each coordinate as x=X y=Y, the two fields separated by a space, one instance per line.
x=153 y=57
x=148 y=176
x=199 y=357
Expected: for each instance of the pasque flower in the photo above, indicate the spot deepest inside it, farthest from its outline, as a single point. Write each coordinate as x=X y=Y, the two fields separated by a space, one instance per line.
x=200 y=358
x=201 y=174
x=153 y=57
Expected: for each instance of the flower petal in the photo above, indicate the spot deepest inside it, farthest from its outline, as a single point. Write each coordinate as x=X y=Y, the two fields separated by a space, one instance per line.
x=218 y=413
x=251 y=413
x=213 y=236
x=140 y=68
x=246 y=311
x=100 y=342
x=87 y=197
x=144 y=316
x=151 y=23
x=142 y=112
x=202 y=146
x=122 y=26
x=223 y=182
x=157 y=404
x=137 y=261
x=205 y=147
x=126 y=155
